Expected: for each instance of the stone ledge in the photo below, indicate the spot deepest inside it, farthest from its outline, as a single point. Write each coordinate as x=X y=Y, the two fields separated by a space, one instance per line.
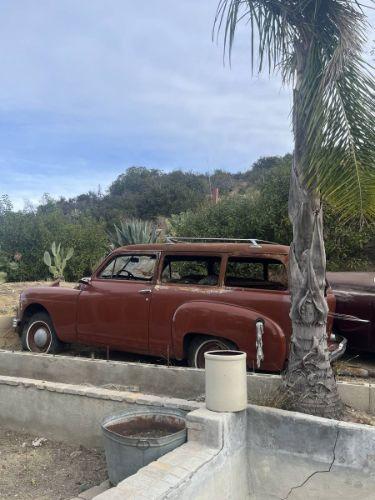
x=185 y=383
x=161 y=478
x=94 y=491
x=100 y=393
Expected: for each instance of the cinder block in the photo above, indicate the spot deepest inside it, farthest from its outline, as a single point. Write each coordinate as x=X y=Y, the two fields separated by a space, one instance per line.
x=355 y=395
x=262 y=388
x=212 y=423
x=372 y=399
x=93 y=492
x=177 y=471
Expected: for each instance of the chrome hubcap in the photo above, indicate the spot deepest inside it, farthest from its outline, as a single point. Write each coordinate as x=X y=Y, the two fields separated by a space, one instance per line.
x=40 y=337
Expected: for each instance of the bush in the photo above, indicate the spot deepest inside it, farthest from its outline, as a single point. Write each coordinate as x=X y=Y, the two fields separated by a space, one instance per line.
x=31 y=233
x=262 y=213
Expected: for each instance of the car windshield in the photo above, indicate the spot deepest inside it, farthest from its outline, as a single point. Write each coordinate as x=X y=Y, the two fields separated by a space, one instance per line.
x=130 y=267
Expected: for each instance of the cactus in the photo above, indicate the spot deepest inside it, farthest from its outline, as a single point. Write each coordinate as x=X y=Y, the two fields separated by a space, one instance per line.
x=57 y=263
x=133 y=231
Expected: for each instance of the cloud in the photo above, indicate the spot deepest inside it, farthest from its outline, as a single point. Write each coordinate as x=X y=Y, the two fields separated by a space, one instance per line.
x=89 y=88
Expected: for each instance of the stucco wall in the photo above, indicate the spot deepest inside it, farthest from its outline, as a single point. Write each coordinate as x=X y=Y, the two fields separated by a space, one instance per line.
x=179 y=382
x=301 y=457
x=67 y=412
x=260 y=454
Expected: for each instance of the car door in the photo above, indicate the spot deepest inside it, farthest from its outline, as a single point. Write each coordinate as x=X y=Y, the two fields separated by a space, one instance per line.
x=113 y=308
x=260 y=283
x=184 y=277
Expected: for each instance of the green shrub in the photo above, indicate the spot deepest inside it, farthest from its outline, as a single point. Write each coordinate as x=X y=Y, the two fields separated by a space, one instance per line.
x=262 y=212
x=30 y=233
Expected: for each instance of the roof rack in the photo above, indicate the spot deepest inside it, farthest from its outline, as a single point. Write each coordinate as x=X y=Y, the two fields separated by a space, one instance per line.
x=253 y=241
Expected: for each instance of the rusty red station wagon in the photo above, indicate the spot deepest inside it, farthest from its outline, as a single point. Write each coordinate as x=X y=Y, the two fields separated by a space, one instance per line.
x=176 y=300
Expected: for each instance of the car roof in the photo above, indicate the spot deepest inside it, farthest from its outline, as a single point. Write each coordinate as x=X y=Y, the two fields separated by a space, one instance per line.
x=232 y=248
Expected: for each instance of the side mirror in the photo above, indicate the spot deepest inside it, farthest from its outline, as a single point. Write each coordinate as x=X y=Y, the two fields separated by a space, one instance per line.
x=85 y=281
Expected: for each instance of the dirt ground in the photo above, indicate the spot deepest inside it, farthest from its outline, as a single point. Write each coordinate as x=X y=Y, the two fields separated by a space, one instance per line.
x=9 y=296
x=50 y=471
x=9 y=293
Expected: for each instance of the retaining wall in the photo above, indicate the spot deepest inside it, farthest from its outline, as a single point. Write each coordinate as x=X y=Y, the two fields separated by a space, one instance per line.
x=260 y=454
x=179 y=382
x=299 y=457
x=68 y=412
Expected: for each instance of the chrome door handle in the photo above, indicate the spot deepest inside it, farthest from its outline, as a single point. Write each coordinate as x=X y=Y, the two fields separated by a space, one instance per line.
x=145 y=291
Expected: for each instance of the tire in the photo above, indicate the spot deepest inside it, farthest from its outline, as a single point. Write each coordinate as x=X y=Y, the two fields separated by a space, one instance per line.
x=201 y=344
x=46 y=340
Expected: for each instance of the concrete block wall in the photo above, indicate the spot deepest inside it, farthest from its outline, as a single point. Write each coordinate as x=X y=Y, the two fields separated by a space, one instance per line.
x=179 y=382
x=68 y=412
x=300 y=457
x=211 y=465
x=260 y=454
x=148 y=378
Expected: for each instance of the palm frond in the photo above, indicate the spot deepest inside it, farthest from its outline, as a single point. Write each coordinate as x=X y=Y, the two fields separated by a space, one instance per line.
x=272 y=31
x=337 y=113
x=335 y=104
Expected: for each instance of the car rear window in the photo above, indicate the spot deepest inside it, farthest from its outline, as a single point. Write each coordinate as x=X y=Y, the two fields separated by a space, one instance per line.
x=256 y=273
x=191 y=269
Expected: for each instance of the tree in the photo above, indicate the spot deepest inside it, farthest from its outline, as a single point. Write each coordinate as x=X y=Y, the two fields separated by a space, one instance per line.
x=261 y=211
x=316 y=44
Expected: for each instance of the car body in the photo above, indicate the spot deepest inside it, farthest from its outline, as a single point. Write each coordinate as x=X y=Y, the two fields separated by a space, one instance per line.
x=174 y=300
x=355 y=308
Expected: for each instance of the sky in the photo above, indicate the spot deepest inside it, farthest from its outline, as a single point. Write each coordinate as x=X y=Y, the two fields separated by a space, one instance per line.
x=89 y=88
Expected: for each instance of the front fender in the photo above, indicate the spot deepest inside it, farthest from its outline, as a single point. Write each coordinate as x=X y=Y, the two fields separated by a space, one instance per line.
x=234 y=323
x=61 y=305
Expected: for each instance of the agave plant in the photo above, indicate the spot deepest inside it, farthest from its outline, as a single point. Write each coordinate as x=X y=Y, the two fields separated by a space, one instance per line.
x=133 y=231
x=57 y=263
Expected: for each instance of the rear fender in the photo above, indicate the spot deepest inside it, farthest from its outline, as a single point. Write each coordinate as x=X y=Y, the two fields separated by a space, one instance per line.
x=235 y=323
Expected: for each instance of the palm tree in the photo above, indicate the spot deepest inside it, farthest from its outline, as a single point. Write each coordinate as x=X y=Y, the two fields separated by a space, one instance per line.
x=316 y=45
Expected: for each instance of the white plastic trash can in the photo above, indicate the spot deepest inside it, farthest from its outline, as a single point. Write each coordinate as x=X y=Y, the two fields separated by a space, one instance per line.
x=226 y=382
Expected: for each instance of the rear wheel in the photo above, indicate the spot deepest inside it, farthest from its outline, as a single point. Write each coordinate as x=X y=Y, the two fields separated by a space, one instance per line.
x=39 y=335
x=200 y=345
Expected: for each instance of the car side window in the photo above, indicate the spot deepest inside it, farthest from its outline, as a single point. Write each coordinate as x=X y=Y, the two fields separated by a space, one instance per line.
x=256 y=273
x=191 y=269
x=130 y=267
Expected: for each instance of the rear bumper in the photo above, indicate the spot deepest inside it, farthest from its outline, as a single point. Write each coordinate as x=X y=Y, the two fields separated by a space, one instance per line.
x=336 y=347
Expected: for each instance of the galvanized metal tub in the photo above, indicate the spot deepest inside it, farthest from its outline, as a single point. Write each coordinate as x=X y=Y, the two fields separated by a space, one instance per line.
x=136 y=437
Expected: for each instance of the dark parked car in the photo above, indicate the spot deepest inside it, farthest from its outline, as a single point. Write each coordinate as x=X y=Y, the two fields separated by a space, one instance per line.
x=355 y=308
x=175 y=300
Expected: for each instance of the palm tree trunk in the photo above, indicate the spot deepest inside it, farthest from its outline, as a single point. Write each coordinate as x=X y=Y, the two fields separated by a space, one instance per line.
x=309 y=379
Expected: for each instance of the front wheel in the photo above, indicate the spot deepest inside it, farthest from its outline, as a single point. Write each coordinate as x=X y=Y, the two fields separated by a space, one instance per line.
x=39 y=335
x=200 y=345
